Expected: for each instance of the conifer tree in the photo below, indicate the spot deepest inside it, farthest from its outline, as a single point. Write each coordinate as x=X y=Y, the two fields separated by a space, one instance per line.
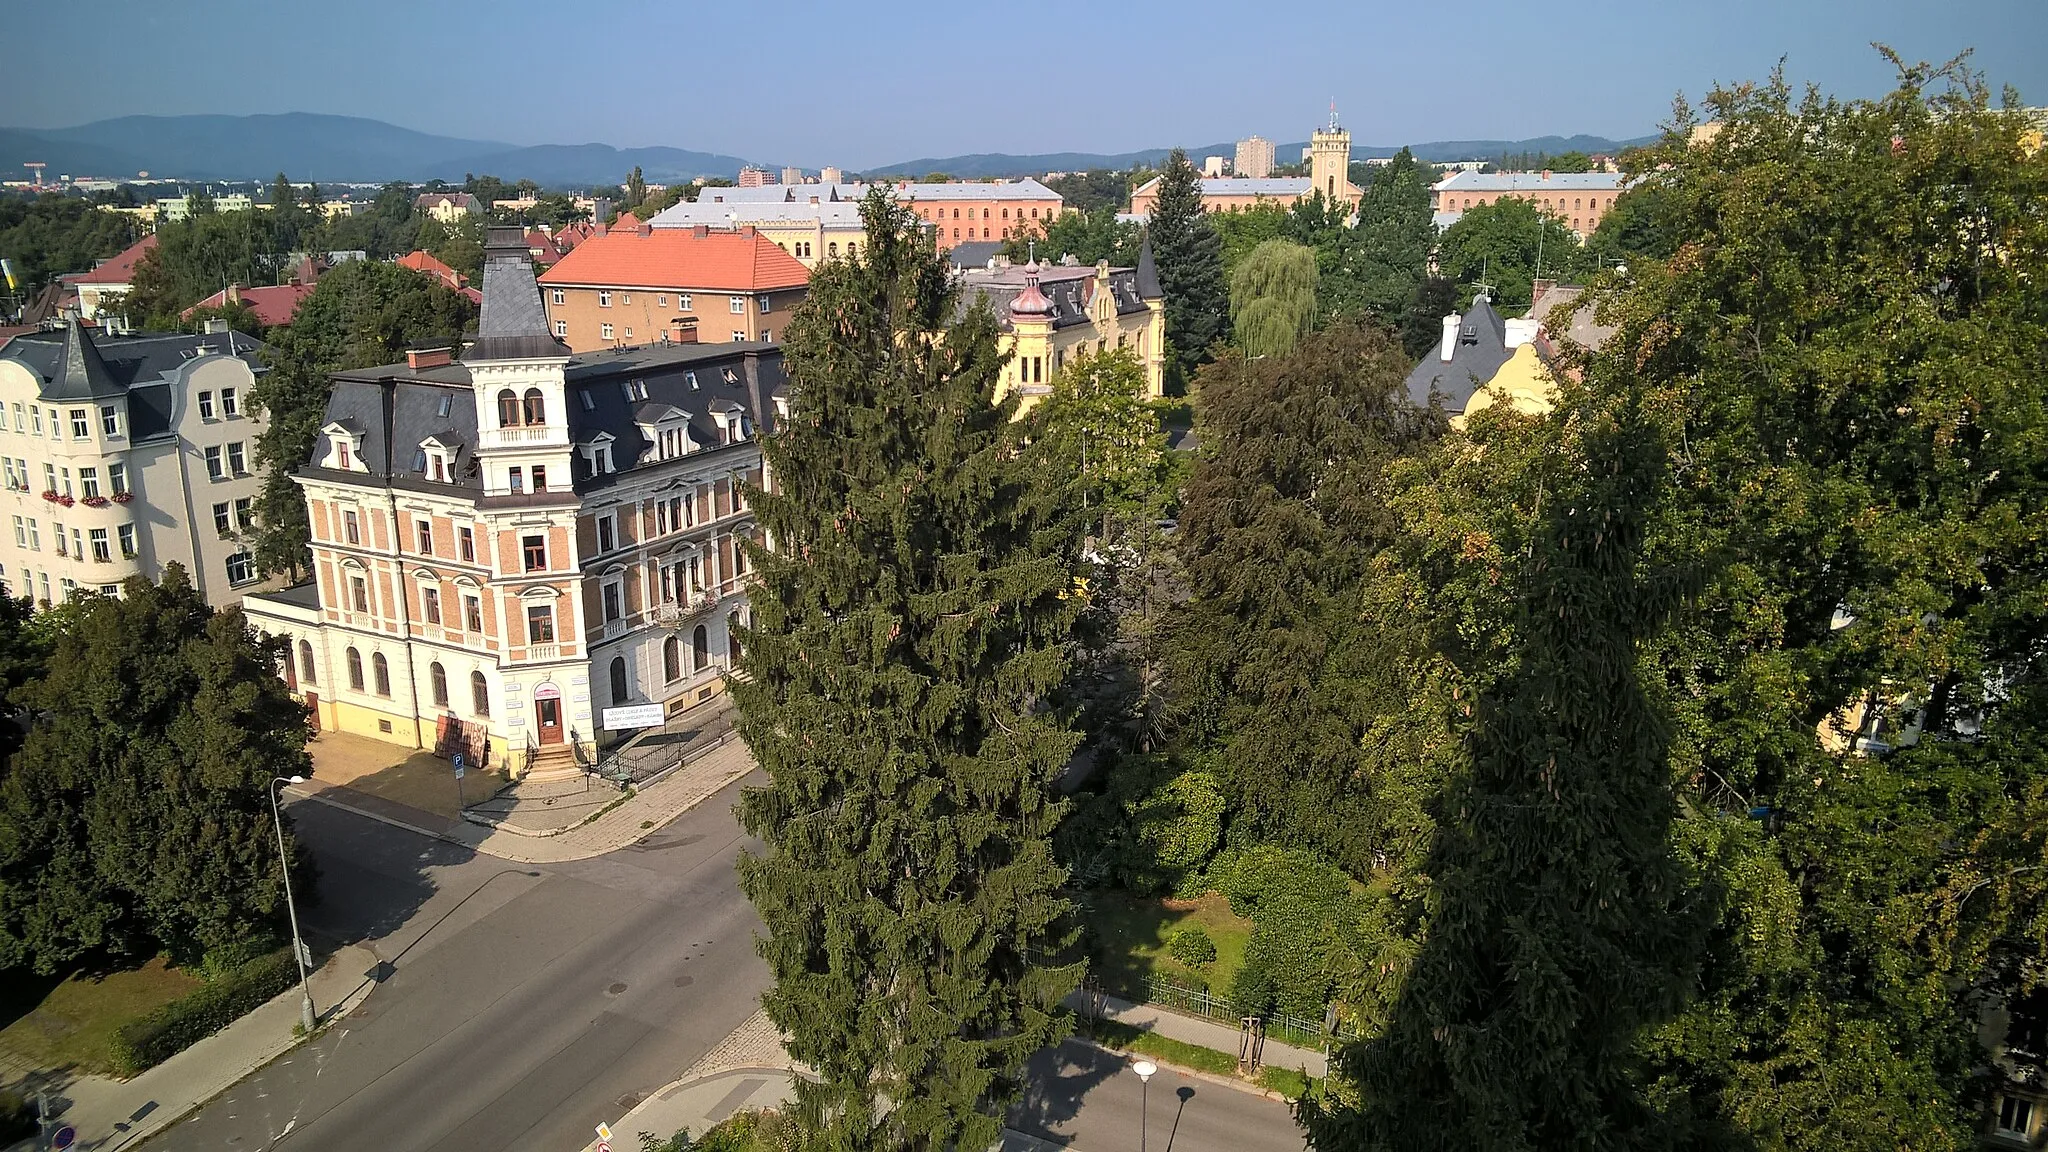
x=1190 y=256
x=908 y=627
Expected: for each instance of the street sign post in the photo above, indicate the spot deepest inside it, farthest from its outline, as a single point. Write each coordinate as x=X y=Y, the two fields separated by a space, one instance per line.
x=604 y=1138
x=63 y=1138
x=459 y=804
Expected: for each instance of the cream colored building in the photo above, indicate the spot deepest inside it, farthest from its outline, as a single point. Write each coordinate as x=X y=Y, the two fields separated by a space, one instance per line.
x=812 y=229
x=1254 y=158
x=123 y=453
x=1329 y=161
x=1052 y=313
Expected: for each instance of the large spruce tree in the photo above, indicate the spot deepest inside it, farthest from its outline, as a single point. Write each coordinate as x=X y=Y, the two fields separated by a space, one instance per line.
x=1190 y=256
x=909 y=625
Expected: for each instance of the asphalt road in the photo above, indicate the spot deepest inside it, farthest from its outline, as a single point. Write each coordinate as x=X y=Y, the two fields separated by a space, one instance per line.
x=1082 y=1096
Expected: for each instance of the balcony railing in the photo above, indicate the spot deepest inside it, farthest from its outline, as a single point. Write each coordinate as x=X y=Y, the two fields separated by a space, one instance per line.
x=539 y=436
x=542 y=651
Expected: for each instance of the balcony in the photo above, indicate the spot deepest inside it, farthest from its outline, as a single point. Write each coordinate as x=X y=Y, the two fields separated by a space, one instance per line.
x=696 y=605
x=543 y=651
x=538 y=436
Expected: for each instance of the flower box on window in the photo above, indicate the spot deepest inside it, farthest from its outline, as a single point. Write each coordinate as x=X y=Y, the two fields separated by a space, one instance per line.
x=95 y=501
x=50 y=494
x=123 y=497
x=66 y=501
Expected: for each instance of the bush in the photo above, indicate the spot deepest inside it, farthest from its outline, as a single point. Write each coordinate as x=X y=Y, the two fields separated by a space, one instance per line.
x=145 y=1043
x=1192 y=947
x=1250 y=877
x=17 y=1117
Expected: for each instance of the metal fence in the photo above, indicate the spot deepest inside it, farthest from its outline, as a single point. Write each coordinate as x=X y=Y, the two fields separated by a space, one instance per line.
x=1206 y=1004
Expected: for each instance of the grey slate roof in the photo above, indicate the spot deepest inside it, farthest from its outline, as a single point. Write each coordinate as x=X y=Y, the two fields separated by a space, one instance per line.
x=83 y=374
x=1065 y=285
x=1478 y=354
x=1532 y=182
x=145 y=367
x=974 y=253
x=1148 y=271
x=513 y=324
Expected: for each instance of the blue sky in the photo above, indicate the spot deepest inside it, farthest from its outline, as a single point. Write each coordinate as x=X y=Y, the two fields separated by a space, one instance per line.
x=863 y=85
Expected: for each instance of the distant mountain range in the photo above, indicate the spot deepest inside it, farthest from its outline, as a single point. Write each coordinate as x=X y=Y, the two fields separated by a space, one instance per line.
x=310 y=146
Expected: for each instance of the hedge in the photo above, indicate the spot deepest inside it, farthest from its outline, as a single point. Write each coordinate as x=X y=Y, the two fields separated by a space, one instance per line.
x=145 y=1043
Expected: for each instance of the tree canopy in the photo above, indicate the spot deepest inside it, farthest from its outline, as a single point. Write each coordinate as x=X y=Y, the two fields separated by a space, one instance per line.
x=1189 y=254
x=1273 y=297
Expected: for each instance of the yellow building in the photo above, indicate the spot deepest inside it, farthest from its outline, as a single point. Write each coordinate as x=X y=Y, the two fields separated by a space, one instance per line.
x=1052 y=313
x=813 y=229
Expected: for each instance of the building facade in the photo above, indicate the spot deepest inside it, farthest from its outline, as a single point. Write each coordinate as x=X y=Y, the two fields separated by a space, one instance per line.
x=508 y=544
x=1329 y=161
x=810 y=230
x=957 y=212
x=124 y=453
x=1579 y=199
x=1254 y=158
x=1051 y=313
x=642 y=285
x=112 y=279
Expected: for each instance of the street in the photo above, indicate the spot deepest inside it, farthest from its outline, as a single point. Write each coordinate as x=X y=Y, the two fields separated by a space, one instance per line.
x=520 y=1005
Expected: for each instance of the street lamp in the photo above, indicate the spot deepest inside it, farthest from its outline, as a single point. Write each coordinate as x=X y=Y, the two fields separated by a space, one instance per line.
x=1144 y=1069
x=307 y=1019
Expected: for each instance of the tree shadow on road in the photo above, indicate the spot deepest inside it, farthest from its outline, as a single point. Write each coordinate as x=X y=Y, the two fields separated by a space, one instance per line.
x=1056 y=1080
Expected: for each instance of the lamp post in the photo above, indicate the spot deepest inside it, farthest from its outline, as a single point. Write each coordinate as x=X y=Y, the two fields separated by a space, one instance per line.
x=307 y=1018
x=1144 y=1069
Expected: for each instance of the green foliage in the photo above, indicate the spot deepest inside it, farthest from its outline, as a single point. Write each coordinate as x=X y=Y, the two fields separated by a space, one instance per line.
x=1239 y=230
x=459 y=244
x=1573 y=161
x=1097 y=427
x=741 y=1132
x=1190 y=259
x=1093 y=191
x=1505 y=244
x=238 y=314
x=1273 y=298
x=17 y=1116
x=1192 y=946
x=389 y=228
x=198 y=256
x=148 y=1042
x=636 y=189
x=51 y=234
x=1088 y=236
x=1636 y=227
x=1378 y=267
x=362 y=313
x=136 y=818
x=907 y=628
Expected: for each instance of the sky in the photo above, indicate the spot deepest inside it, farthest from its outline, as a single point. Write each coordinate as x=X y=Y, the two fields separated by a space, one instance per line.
x=869 y=85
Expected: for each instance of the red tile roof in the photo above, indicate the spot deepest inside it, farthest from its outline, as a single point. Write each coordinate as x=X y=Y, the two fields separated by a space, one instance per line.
x=646 y=257
x=121 y=268
x=272 y=305
x=420 y=260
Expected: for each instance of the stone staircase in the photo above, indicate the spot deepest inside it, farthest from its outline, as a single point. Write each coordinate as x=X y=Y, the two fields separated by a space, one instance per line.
x=552 y=762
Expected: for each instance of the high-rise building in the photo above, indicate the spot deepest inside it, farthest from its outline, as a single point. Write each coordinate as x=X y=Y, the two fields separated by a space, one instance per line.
x=1254 y=158
x=792 y=175
x=1212 y=166
x=830 y=175
x=752 y=177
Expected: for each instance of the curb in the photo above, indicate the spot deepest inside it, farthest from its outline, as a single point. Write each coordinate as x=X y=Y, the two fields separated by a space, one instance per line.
x=1244 y=1086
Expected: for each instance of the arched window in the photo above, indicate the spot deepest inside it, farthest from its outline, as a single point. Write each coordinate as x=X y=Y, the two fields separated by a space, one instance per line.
x=700 y=649
x=536 y=408
x=508 y=409
x=671 y=659
x=618 y=679
x=439 y=676
x=984 y=214
x=732 y=639
x=355 y=669
x=381 y=669
x=479 y=694
x=306 y=662
x=832 y=249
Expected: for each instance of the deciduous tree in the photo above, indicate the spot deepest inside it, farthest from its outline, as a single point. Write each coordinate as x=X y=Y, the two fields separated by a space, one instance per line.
x=1273 y=298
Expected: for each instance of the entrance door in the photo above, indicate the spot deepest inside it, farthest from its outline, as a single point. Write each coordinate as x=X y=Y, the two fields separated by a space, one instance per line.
x=549 y=713
x=313 y=704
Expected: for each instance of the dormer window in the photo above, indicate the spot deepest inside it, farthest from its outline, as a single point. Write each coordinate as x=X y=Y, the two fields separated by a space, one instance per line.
x=344 y=448
x=732 y=424
x=598 y=453
x=437 y=460
x=635 y=390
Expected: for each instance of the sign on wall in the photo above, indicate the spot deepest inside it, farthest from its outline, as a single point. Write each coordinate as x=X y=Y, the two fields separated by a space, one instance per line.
x=633 y=716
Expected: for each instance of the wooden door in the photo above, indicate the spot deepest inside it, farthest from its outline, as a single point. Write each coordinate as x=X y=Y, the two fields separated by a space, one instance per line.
x=549 y=714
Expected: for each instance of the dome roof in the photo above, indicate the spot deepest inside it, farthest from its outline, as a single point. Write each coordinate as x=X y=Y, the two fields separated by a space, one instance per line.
x=1031 y=302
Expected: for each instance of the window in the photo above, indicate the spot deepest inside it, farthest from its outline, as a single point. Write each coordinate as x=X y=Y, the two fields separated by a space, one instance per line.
x=425 y=531
x=44 y=578
x=205 y=407
x=430 y=604
x=738 y=335
x=446 y=405
x=508 y=409
x=515 y=478
x=35 y=539
x=19 y=424
x=607 y=532
x=562 y=329
x=700 y=649
x=465 y=544
x=77 y=544
x=604 y=331
x=767 y=334
x=341 y=454
x=557 y=296
x=479 y=694
x=221 y=523
x=20 y=532
x=238 y=460
x=604 y=299
x=245 y=513
x=110 y=421
x=473 y=613
x=49 y=476
x=359 y=593
x=103 y=549
x=213 y=468
x=2015 y=1116
x=57 y=530
x=540 y=478
x=536 y=407
x=351 y=530
x=535 y=551
x=355 y=669
x=126 y=535
x=618 y=680
x=732 y=639
x=682 y=302
x=306 y=662
x=36 y=416
x=228 y=406
x=438 y=677
x=589 y=404
x=88 y=482
x=738 y=305
x=241 y=568
x=629 y=332
x=440 y=463
x=613 y=596
x=380 y=669
x=661 y=301
x=540 y=624
x=66 y=474
x=956 y=213
x=764 y=303
x=832 y=249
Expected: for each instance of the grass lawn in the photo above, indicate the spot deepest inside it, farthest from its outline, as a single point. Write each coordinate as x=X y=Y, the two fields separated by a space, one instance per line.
x=68 y=1023
x=1133 y=932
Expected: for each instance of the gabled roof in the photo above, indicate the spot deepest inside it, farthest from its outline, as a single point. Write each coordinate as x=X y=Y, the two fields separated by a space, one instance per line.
x=679 y=258
x=81 y=374
x=463 y=200
x=420 y=260
x=120 y=268
x=1480 y=348
x=273 y=304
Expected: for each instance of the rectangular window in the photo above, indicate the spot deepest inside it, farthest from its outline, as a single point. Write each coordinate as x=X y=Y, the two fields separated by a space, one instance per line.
x=206 y=405
x=228 y=406
x=35 y=416
x=57 y=529
x=683 y=302
x=20 y=532
x=425 y=531
x=738 y=305
x=221 y=523
x=245 y=513
x=102 y=548
x=534 y=550
x=78 y=543
x=473 y=613
x=604 y=299
x=81 y=424
x=763 y=303
x=613 y=597
x=35 y=537
x=604 y=331
x=607 y=534
x=238 y=461
x=465 y=544
x=49 y=476
x=44 y=580
x=241 y=568
x=126 y=534
x=110 y=421
x=515 y=478
x=2015 y=1116
x=20 y=424
x=430 y=604
x=359 y=593
x=88 y=482
x=540 y=478
x=556 y=295
x=540 y=624
x=562 y=329
x=350 y=529
x=213 y=465
x=767 y=334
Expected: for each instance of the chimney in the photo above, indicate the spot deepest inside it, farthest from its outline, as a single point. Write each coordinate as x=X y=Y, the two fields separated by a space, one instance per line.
x=234 y=294
x=1546 y=173
x=701 y=231
x=216 y=326
x=418 y=358
x=1450 y=344
x=748 y=232
x=682 y=330
x=1537 y=288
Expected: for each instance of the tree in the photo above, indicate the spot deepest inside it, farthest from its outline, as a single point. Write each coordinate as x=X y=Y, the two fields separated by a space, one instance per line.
x=1190 y=266
x=1273 y=298
x=361 y=314
x=1573 y=161
x=1507 y=244
x=1087 y=236
x=1635 y=228
x=1093 y=190
x=51 y=234
x=197 y=257
x=1096 y=427
x=1422 y=320
x=908 y=628
x=1239 y=230
x=636 y=188
x=487 y=189
x=137 y=818
x=1377 y=267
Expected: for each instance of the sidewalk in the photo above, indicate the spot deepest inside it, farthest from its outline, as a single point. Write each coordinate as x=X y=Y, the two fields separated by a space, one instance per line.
x=111 y=1114
x=1195 y=1030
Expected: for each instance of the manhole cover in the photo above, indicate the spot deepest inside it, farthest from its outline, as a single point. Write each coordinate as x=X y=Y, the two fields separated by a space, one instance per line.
x=616 y=989
x=685 y=981
x=630 y=1100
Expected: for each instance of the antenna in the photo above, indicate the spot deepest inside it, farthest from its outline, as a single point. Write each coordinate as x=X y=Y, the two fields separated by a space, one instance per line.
x=1333 y=113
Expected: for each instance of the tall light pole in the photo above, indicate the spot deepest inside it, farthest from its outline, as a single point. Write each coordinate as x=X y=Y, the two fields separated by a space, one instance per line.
x=1144 y=1069
x=307 y=1019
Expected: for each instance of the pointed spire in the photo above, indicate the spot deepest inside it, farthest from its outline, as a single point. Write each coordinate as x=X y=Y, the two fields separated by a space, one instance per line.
x=83 y=374
x=512 y=324
x=1148 y=271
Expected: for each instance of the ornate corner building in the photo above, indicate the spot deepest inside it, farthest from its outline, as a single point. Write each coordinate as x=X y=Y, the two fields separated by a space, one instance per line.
x=507 y=544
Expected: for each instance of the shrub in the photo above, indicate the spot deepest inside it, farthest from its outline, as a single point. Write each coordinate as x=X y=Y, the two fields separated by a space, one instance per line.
x=17 y=1117
x=145 y=1043
x=1249 y=877
x=1192 y=947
